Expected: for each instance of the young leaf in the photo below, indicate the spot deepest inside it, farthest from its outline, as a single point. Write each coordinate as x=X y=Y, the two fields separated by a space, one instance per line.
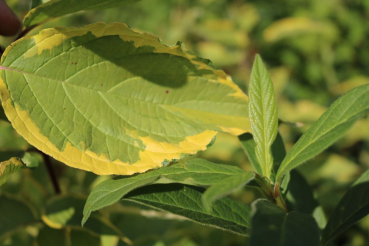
x=263 y=115
x=195 y=172
x=353 y=206
x=14 y=164
x=106 y=99
x=278 y=151
x=271 y=226
x=14 y=214
x=56 y=8
x=332 y=125
x=9 y=167
x=227 y=214
x=225 y=187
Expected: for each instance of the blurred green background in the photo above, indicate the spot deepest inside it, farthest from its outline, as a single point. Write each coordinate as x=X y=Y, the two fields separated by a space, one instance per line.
x=315 y=51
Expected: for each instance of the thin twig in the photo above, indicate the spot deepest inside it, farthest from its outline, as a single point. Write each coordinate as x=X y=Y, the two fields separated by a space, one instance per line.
x=24 y=32
x=51 y=172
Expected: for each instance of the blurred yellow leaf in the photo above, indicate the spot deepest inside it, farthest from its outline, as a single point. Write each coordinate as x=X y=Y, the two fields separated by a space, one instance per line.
x=240 y=13
x=300 y=111
x=294 y=26
x=280 y=77
x=219 y=54
x=349 y=84
x=337 y=168
x=222 y=31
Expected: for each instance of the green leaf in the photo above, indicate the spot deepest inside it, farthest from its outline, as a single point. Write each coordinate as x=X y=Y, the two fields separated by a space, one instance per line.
x=278 y=151
x=48 y=236
x=66 y=212
x=300 y=229
x=84 y=238
x=183 y=200
x=271 y=226
x=225 y=187
x=263 y=115
x=9 y=167
x=194 y=172
x=106 y=99
x=14 y=164
x=15 y=214
x=10 y=140
x=17 y=238
x=353 y=206
x=248 y=145
x=331 y=126
x=36 y=3
x=300 y=197
x=32 y=159
x=57 y=8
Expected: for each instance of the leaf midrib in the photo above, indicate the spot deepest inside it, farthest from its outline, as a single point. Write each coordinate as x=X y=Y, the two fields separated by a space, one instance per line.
x=160 y=175
x=290 y=159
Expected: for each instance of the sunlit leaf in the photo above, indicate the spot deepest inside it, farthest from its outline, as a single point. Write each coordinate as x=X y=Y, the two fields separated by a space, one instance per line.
x=271 y=226
x=225 y=187
x=352 y=207
x=332 y=125
x=110 y=100
x=195 y=172
x=263 y=115
x=56 y=8
x=227 y=214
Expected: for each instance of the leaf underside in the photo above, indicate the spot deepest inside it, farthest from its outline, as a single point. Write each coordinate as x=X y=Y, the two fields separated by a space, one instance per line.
x=194 y=172
x=225 y=187
x=227 y=214
x=106 y=99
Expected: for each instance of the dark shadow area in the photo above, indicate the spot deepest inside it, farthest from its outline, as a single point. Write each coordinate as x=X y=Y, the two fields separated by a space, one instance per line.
x=161 y=188
x=300 y=196
x=163 y=69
